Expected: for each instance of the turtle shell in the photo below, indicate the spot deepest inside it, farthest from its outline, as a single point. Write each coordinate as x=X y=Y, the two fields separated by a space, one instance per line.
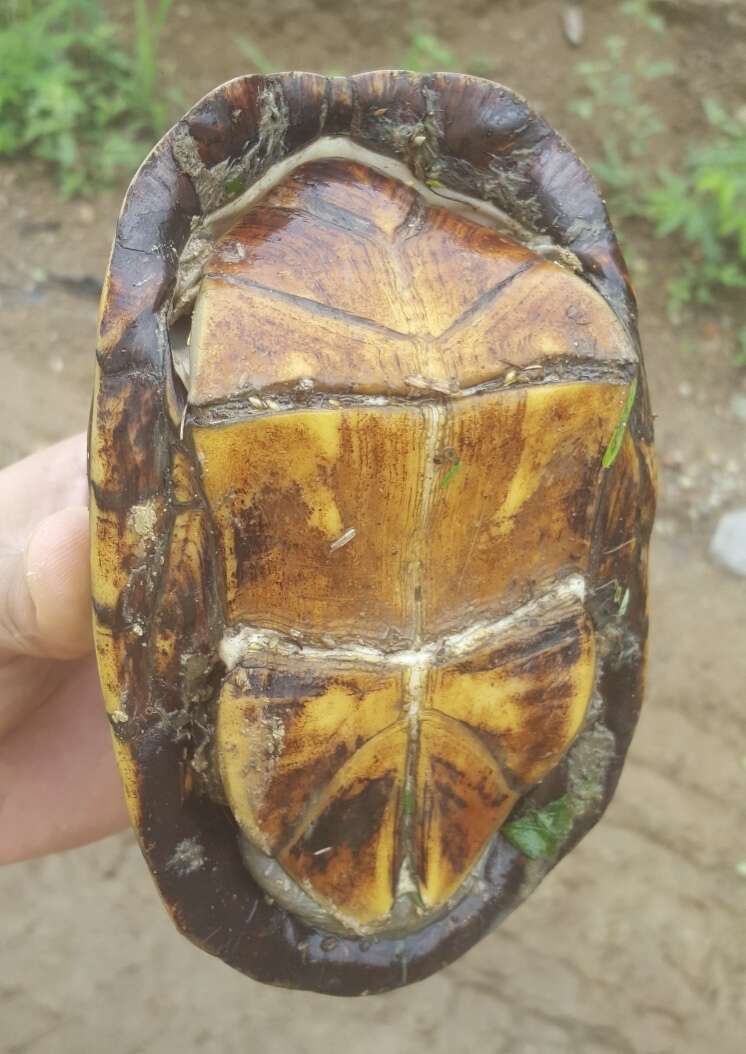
x=371 y=492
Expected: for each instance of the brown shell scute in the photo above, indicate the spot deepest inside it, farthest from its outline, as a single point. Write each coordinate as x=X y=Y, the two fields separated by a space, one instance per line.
x=327 y=281
x=364 y=583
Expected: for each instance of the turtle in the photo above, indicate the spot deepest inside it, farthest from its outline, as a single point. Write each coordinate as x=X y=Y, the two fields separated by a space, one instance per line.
x=371 y=487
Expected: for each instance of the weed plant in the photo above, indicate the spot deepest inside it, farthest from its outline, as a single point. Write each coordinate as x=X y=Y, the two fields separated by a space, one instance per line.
x=72 y=94
x=698 y=198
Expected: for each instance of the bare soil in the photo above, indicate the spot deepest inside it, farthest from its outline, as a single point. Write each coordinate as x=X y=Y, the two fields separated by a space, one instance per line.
x=637 y=942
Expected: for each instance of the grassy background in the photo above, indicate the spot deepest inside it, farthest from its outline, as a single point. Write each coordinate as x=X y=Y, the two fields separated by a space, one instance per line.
x=85 y=94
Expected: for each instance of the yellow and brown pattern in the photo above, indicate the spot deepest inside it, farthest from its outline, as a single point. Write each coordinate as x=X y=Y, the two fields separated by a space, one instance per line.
x=396 y=517
x=353 y=580
x=343 y=277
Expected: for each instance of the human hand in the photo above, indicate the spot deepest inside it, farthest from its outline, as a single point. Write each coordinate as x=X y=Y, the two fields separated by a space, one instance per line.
x=59 y=786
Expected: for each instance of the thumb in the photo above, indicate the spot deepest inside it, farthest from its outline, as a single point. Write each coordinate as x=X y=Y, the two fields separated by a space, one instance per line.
x=45 y=591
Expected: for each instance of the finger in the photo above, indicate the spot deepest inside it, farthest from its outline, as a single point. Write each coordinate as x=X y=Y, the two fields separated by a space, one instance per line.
x=59 y=786
x=30 y=490
x=45 y=590
x=25 y=683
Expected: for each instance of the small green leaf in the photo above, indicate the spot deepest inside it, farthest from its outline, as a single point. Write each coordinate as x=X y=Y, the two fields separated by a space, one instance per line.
x=450 y=473
x=623 y=604
x=235 y=185
x=539 y=832
x=615 y=443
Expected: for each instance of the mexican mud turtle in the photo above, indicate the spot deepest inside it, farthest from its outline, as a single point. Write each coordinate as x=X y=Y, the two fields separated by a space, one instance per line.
x=371 y=492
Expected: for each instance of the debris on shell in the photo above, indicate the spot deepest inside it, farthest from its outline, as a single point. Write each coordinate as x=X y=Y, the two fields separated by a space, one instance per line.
x=142 y=519
x=430 y=384
x=188 y=856
x=343 y=539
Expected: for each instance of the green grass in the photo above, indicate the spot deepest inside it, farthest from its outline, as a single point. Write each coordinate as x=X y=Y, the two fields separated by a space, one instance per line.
x=426 y=53
x=703 y=203
x=72 y=94
x=698 y=199
x=258 y=62
x=615 y=443
x=644 y=12
x=612 y=99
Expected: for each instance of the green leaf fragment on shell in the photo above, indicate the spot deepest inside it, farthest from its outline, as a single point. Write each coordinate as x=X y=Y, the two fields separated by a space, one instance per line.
x=417 y=900
x=235 y=186
x=451 y=472
x=539 y=832
x=615 y=443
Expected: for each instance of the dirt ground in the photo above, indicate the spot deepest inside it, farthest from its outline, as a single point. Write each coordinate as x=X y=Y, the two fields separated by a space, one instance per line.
x=637 y=942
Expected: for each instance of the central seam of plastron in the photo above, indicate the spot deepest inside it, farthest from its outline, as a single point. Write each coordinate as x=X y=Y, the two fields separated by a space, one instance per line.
x=414 y=681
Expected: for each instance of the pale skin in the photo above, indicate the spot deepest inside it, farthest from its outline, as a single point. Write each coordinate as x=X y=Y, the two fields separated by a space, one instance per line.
x=59 y=786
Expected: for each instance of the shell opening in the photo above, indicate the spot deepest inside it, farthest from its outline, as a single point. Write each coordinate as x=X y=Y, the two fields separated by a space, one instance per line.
x=179 y=334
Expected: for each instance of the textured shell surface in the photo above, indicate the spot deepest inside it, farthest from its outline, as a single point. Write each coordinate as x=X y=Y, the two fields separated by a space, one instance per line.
x=371 y=491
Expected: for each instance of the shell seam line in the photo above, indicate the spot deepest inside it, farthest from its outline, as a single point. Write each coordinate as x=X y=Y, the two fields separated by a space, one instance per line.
x=238 y=646
x=314 y=307
x=234 y=409
x=415 y=680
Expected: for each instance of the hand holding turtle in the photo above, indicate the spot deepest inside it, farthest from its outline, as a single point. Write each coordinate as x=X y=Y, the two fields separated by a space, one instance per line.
x=58 y=784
